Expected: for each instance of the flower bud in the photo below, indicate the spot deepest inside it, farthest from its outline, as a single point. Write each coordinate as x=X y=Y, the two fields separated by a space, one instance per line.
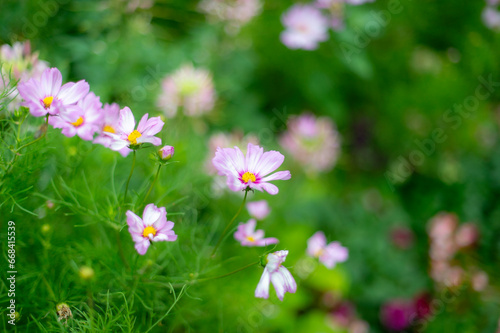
x=166 y=153
x=86 y=272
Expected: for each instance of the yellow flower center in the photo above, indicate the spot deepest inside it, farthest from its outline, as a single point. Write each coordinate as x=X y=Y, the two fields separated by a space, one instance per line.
x=47 y=101
x=319 y=253
x=247 y=176
x=149 y=230
x=108 y=129
x=78 y=122
x=132 y=137
x=250 y=239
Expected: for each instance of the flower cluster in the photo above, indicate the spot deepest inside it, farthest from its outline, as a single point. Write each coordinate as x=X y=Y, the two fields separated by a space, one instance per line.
x=250 y=172
x=188 y=88
x=447 y=239
x=76 y=111
x=313 y=142
x=306 y=25
x=235 y=12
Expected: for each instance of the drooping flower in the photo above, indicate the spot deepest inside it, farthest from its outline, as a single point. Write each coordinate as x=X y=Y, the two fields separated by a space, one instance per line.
x=83 y=119
x=330 y=254
x=166 y=153
x=258 y=209
x=189 y=88
x=111 y=117
x=276 y=274
x=250 y=171
x=248 y=236
x=48 y=95
x=127 y=136
x=313 y=142
x=305 y=27
x=153 y=227
x=235 y=12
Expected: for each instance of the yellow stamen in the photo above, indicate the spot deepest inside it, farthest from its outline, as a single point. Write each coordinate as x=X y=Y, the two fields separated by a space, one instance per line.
x=319 y=253
x=47 y=101
x=250 y=239
x=132 y=137
x=247 y=176
x=149 y=230
x=108 y=129
x=78 y=122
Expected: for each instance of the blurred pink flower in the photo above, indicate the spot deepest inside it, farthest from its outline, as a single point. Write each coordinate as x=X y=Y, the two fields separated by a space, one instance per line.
x=258 y=209
x=305 y=27
x=402 y=237
x=313 y=142
x=235 y=12
x=330 y=254
x=153 y=227
x=442 y=225
x=48 y=95
x=491 y=18
x=248 y=236
x=83 y=119
x=189 y=88
x=126 y=136
x=280 y=277
x=467 y=235
x=396 y=314
x=20 y=62
x=111 y=116
x=250 y=171
x=479 y=281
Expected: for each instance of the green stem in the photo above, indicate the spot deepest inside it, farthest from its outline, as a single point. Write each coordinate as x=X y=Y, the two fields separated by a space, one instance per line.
x=229 y=224
x=129 y=176
x=152 y=184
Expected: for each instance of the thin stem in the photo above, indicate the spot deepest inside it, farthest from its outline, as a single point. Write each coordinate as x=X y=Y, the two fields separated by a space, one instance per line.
x=229 y=224
x=129 y=176
x=153 y=183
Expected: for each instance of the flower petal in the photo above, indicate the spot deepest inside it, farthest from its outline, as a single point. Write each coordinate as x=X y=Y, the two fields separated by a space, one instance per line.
x=262 y=290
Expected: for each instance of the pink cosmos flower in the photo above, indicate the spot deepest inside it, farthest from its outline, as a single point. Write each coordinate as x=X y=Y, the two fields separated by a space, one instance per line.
x=258 y=209
x=126 y=136
x=491 y=18
x=189 y=88
x=48 y=95
x=250 y=171
x=83 y=119
x=248 y=236
x=305 y=27
x=313 y=142
x=111 y=116
x=330 y=254
x=153 y=227
x=18 y=60
x=235 y=12
x=280 y=277
x=166 y=153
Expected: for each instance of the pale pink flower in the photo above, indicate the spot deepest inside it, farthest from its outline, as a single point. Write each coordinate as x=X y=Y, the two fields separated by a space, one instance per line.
x=491 y=18
x=313 y=142
x=189 y=88
x=248 y=236
x=48 y=95
x=479 y=281
x=276 y=274
x=250 y=172
x=467 y=235
x=305 y=27
x=20 y=62
x=83 y=119
x=330 y=254
x=166 y=153
x=258 y=209
x=153 y=227
x=126 y=136
x=111 y=116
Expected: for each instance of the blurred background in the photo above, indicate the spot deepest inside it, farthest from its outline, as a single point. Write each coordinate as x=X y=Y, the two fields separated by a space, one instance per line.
x=389 y=126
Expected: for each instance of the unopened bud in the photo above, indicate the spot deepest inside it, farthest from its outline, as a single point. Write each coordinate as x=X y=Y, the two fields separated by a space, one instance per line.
x=86 y=272
x=166 y=153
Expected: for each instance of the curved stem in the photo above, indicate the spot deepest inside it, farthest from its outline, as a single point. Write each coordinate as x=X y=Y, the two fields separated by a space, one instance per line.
x=129 y=176
x=229 y=224
x=152 y=184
